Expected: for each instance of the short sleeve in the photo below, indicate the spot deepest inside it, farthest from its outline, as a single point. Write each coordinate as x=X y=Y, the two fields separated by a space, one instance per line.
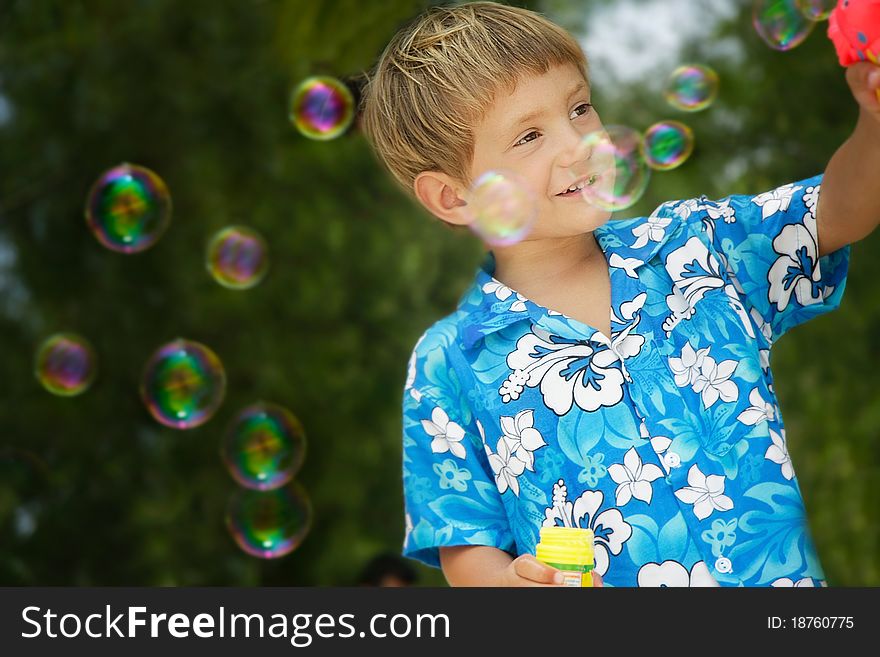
x=770 y=246
x=450 y=494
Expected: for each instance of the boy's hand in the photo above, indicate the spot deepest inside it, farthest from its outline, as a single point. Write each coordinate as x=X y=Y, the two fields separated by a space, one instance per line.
x=526 y=570
x=864 y=81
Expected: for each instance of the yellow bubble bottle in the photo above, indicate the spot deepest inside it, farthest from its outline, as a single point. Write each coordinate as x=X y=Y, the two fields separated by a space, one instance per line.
x=569 y=549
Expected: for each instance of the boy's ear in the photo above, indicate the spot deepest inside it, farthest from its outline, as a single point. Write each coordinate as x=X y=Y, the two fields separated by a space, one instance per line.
x=442 y=196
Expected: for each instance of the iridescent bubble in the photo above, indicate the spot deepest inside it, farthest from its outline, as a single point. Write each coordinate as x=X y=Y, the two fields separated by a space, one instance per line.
x=66 y=364
x=237 y=258
x=269 y=524
x=668 y=144
x=322 y=107
x=692 y=88
x=816 y=10
x=614 y=168
x=502 y=208
x=264 y=446
x=128 y=208
x=183 y=384
x=781 y=23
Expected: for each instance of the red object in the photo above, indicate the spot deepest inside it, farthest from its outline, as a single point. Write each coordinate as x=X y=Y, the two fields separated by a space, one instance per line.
x=854 y=28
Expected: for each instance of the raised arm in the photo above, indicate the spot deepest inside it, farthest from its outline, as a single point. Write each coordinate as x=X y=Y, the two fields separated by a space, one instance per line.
x=849 y=203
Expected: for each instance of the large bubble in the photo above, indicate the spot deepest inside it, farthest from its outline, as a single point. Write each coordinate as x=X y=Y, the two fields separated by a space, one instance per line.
x=502 y=208
x=269 y=524
x=692 y=88
x=237 y=257
x=816 y=10
x=668 y=144
x=781 y=23
x=264 y=446
x=322 y=107
x=183 y=384
x=128 y=208
x=614 y=170
x=66 y=364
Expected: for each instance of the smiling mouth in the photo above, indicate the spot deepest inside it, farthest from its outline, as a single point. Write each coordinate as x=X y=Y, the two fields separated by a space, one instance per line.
x=578 y=186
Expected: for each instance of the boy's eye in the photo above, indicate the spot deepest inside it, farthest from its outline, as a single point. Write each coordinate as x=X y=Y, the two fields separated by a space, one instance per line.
x=581 y=110
x=527 y=138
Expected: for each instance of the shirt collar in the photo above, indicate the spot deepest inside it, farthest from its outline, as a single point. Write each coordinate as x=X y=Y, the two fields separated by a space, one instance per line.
x=489 y=306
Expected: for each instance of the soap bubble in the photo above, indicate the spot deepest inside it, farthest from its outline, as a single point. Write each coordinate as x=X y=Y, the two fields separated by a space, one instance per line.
x=668 y=144
x=816 y=10
x=238 y=257
x=128 y=208
x=264 y=446
x=322 y=107
x=692 y=88
x=269 y=524
x=614 y=167
x=66 y=364
x=781 y=23
x=502 y=208
x=183 y=384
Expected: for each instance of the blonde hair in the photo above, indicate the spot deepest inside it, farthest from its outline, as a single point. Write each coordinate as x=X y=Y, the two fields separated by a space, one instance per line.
x=439 y=75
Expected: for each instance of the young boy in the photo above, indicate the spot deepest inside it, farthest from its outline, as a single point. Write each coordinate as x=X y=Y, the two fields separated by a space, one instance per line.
x=612 y=376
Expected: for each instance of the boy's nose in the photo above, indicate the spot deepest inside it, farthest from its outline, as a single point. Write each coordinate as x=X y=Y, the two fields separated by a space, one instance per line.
x=575 y=150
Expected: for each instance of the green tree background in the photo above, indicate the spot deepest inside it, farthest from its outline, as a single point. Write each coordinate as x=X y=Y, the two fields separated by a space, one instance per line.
x=94 y=492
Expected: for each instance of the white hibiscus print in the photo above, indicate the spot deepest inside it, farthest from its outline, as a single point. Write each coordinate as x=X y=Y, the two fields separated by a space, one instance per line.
x=627 y=264
x=713 y=381
x=721 y=210
x=673 y=574
x=653 y=229
x=679 y=308
x=785 y=582
x=505 y=466
x=610 y=530
x=759 y=411
x=522 y=436
x=705 y=493
x=694 y=271
x=566 y=371
x=446 y=434
x=407 y=530
x=687 y=368
x=512 y=388
x=776 y=200
x=411 y=372
x=778 y=453
x=683 y=209
x=625 y=343
x=811 y=198
x=502 y=292
x=634 y=478
x=797 y=269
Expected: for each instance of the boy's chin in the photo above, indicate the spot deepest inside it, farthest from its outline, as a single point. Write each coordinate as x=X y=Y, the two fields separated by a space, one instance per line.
x=587 y=219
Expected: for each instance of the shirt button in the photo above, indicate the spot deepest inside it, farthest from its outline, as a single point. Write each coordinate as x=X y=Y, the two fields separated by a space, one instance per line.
x=671 y=459
x=723 y=565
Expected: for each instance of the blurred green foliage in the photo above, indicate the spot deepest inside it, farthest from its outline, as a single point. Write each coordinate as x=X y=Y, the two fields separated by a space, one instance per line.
x=94 y=492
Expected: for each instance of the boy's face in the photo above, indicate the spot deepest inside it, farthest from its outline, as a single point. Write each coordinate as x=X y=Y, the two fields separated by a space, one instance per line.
x=536 y=132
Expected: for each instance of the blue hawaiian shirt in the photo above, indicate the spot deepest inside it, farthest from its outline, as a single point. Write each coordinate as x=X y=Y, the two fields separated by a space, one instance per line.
x=665 y=438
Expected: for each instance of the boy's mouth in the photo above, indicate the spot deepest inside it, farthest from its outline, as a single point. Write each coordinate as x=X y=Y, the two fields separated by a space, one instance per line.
x=577 y=186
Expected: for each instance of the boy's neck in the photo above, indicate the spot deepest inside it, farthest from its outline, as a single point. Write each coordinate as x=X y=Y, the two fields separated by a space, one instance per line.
x=540 y=264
